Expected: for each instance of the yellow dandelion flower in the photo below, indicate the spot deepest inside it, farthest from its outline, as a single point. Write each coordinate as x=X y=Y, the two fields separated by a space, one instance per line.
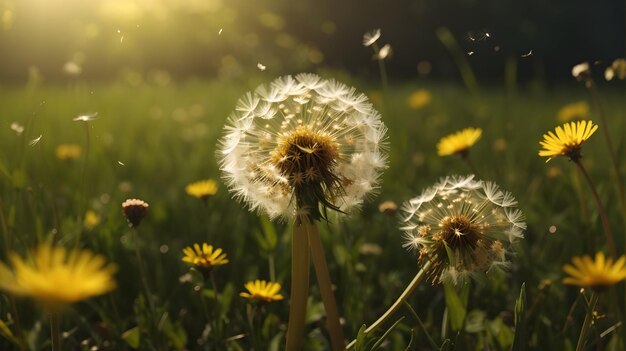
x=576 y=110
x=419 y=99
x=598 y=274
x=567 y=141
x=459 y=142
x=202 y=189
x=56 y=277
x=68 y=152
x=92 y=219
x=204 y=256
x=261 y=290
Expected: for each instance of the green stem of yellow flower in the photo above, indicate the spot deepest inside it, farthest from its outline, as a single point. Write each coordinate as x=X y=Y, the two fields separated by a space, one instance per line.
x=419 y=277
x=588 y=318
x=299 y=286
x=55 y=331
x=603 y=217
x=323 y=279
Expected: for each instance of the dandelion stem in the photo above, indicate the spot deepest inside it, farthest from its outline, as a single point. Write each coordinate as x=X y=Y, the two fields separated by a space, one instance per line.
x=299 y=286
x=593 y=91
x=419 y=277
x=588 y=318
x=55 y=331
x=601 y=211
x=144 y=281
x=381 y=67
x=323 y=279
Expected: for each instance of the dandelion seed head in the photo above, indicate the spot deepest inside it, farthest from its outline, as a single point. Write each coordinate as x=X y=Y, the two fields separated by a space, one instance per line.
x=371 y=37
x=463 y=226
x=302 y=143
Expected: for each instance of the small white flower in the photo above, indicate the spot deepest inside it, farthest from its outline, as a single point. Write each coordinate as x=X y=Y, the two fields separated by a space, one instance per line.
x=302 y=143
x=370 y=37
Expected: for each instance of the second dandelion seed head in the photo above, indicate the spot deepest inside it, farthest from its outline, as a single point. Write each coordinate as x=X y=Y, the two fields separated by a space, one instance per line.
x=463 y=226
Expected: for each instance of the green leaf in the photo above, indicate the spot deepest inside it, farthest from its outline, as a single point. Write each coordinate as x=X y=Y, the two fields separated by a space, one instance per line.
x=175 y=333
x=271 y=238
x=132 y=337
x=431 y=341
x=456 y=307
x=519 y=343
x=360 y=338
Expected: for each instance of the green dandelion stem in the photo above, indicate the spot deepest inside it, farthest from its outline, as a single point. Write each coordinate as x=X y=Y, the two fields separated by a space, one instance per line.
x=55 y=331
x=419 y=277
x=593 y=91
x=299 y=286
x=323 y=279
x=603 y=217
x=144 y=281
x=381 y=67
x=587 y=323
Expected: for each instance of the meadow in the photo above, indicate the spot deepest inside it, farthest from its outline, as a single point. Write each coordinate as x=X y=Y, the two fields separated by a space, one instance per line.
x=149 y=139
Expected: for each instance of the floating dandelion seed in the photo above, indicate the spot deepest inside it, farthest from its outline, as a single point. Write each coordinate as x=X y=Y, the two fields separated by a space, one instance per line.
x=120 y=163
x=36 y=140
x=530 y=53
x=219 y=32
x=581 y=71
x=86 y=117
x=462 y=226
x=302 y=143
x=470 y=53
x=261 y=66
x=371 y=37
x=262 y=291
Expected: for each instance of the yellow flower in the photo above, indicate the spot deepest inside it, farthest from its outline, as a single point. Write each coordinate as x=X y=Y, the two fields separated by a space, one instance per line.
x=202 y=189
x=55 y=277
x=567 y=141
x=576 y=110
x=459 y=142
x=598 y=275
x=91 y=220
x=68 y=152
x=419 y=99
x=260 y=290
x=205 y=256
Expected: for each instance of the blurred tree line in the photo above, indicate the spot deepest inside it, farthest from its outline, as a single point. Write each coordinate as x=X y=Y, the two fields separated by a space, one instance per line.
x=134 y=39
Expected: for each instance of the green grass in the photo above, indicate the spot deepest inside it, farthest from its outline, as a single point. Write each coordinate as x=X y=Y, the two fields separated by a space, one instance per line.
x=149 y=141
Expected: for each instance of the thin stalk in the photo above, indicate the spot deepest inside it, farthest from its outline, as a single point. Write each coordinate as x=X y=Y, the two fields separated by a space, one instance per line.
x=603 y=217
x=55 y=331
x=144 y=281
x=588 y=318
x=381 y=67
x=299 y=286
x=591 y=86
x=83 y=186
x=465 y=156
x=419 y=277
x=323 y=280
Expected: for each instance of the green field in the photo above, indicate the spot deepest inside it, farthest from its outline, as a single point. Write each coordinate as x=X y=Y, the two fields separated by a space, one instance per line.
x=150 y=140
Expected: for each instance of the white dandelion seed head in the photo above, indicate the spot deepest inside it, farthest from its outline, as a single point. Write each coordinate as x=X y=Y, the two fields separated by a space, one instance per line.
x=371 y=37
x=384 y=52
x=275 y=129
x=472 y=219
